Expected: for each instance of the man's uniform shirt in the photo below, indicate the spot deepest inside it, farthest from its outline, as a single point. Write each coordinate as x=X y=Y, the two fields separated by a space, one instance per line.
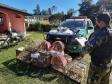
x=99 y=45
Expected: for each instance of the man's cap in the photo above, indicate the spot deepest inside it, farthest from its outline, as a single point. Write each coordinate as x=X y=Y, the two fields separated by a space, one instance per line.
x=104 y=17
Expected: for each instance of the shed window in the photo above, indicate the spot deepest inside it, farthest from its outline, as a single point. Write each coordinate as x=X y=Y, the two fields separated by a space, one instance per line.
x=1 y=20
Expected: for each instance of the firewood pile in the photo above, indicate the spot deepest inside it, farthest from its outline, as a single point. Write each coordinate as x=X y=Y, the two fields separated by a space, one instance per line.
x=38 y=55
x=24 y=56
x=35 y=54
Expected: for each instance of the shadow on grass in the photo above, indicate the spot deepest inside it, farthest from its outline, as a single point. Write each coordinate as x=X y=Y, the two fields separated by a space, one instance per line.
x=10 y=64
x=45 y=74
x=7 y=47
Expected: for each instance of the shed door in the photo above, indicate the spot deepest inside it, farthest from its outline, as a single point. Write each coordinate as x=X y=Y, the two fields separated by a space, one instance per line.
x=3 y=23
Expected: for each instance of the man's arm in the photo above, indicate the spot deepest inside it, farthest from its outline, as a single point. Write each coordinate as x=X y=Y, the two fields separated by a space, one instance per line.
x=93 y=41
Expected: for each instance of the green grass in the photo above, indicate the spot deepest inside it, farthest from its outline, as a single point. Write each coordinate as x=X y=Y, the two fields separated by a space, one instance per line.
x=36 y=35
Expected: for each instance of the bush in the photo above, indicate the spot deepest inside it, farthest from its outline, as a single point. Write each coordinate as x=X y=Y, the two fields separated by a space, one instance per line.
x=40 y=27
x=34 y=27
x=46 y=27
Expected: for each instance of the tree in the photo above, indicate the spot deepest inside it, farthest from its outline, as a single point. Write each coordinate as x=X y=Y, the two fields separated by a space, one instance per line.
x=88 y=9
x=85 y=8
x=37 y=10
x=71 y=11
x=56 y=18
x=104 y=5
x=53 y=8
x=44 y=12
x=62 y=12
x=49 y=11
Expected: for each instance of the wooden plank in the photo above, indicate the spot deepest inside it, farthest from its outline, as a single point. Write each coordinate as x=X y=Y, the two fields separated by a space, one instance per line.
x=75 y=70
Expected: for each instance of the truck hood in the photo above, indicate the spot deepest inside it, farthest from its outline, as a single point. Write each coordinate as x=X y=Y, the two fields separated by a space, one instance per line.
x=67 y=31
x=61 y=30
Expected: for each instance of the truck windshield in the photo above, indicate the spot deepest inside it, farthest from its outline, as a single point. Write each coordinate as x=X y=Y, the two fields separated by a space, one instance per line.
x=73 y=24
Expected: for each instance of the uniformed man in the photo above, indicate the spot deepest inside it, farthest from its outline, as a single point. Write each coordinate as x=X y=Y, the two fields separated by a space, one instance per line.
x=99 y=46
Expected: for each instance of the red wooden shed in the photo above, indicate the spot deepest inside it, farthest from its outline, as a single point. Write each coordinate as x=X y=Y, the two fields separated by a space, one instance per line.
x=12 y=18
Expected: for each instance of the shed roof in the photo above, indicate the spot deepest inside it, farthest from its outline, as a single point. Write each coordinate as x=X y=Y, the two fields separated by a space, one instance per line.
x=13 y=9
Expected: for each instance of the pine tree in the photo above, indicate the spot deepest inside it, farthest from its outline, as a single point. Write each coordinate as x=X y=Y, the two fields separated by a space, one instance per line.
x=49 y=11
x=53 y=8
x=37 y=10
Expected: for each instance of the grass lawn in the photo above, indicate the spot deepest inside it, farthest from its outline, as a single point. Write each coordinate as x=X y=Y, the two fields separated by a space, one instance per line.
x=8 y=70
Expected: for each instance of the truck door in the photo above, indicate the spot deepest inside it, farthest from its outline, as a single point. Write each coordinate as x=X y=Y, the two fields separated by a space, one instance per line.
x=90 y=28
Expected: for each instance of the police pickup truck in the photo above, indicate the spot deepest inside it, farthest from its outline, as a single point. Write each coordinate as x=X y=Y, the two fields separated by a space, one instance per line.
x=73 y=33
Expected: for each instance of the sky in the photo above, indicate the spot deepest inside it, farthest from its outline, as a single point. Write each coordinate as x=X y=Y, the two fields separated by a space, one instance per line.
x=30 y=5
